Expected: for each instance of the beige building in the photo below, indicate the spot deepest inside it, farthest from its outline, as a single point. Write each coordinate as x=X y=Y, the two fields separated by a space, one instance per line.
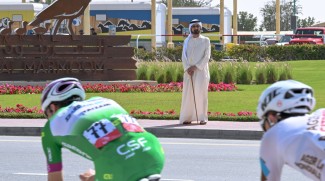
x=319 y=25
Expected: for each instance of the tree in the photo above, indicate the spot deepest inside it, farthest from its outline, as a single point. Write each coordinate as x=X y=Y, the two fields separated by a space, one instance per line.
x=305 y=22
x=286 y=11
x=246 y=22
x=189 y=3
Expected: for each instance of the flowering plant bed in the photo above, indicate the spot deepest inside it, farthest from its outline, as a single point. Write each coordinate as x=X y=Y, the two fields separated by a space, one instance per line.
x=171 y=114
x=21 y=111
x=99 y=88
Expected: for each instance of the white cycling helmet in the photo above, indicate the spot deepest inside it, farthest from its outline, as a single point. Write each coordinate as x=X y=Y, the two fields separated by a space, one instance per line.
x=60 y=90
x=289 y=97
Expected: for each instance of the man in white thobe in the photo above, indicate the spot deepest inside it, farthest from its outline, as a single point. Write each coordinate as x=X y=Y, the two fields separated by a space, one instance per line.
x=195 y=58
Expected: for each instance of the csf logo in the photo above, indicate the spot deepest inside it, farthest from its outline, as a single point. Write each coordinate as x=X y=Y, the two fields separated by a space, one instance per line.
x=128 y=149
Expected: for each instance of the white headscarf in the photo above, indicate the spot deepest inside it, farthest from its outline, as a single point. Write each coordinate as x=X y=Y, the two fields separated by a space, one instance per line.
x=193 y=22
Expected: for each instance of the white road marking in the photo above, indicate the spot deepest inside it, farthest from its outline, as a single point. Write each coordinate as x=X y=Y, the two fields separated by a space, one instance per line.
x=164 y=143
x=210 y=144
x=28 y=141
x=45 y=174
x=37 y=174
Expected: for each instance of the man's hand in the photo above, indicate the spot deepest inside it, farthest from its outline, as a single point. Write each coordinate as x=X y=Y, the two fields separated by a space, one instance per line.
x=89 y=175
x=191 y=70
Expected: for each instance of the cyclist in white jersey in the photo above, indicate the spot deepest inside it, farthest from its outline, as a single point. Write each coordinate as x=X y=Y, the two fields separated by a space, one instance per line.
x=292 y=136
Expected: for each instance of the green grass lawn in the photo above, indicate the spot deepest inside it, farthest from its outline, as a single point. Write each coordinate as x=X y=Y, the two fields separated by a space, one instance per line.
x=309 y=72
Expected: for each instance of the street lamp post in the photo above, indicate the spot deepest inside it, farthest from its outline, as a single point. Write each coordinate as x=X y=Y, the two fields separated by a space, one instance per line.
x=277 y=17
x=170 y=43
x=294 y=18
x=153 y=25
x=235 y=22
x=222 y=20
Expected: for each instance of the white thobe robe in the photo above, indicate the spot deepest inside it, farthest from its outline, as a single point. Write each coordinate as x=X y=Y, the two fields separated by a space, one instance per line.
x=196 y=51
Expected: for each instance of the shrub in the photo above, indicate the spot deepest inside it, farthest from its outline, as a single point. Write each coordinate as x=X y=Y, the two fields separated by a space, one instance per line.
x=282 y=75
x=285 y=72
x=144 y=55
x=217 y=55
x=174 y=54
x=271 y=73
x=168 y=76
x=215 y=72
x=260 y=74
x=179 y=73
x=229 y=72
x=288 y=70
x=248 y=52
x=161 y=78
x=244 y=73
x=153 y=71
x=251 y=53
x=142 y=71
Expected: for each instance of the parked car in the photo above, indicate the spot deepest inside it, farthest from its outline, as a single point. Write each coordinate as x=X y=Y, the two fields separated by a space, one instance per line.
x=271 y=41
x=284 y=40
x=308 y=35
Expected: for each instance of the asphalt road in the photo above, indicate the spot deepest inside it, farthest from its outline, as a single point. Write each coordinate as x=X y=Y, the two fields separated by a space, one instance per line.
x=22 y=158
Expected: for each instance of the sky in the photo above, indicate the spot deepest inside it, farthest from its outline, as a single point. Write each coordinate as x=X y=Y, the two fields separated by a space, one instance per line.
x=312 y=8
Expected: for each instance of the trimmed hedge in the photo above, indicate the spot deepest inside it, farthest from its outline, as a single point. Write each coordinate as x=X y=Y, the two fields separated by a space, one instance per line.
x=246 y=52
x=254 y=53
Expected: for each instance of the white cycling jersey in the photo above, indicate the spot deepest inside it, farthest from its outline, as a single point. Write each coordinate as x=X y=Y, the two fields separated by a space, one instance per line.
x=298 y=142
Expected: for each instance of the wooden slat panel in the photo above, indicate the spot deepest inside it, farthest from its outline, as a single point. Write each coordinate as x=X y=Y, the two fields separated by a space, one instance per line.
x=108 y=40
x=35 y=58
x=120 y=63
x=119 y=52
x=71 y=51
x=85 y=76
x=58 y=65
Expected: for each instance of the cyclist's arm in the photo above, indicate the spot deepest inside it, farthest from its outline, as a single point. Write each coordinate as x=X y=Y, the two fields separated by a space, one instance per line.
x=55 y=176
x=52 y=151
x=271 y=161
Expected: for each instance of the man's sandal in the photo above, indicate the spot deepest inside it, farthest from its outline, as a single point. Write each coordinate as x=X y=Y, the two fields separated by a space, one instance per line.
x=203 y=122
x=187 y=122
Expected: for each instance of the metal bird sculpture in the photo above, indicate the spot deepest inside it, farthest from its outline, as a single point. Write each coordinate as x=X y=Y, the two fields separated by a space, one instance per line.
x=22 y=30
x=6 y=31
x=41 y=30
x=60 y=10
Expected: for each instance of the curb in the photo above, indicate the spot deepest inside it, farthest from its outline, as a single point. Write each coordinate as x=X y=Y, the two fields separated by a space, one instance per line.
x=159 y=132
x=206 y=133
x=20 y=131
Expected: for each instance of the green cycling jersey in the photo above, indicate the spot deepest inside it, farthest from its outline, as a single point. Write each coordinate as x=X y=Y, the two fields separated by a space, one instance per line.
x=100 y=130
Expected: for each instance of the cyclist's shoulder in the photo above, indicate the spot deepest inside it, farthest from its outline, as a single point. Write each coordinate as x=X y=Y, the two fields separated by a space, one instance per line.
x=100 y=99
x=303 y=119
x=320 y=111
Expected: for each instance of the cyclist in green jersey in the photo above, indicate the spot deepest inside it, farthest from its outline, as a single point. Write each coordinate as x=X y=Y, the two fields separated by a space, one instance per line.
x=97 y=129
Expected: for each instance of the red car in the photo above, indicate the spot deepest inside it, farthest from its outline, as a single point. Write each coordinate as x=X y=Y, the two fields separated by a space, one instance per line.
x=308 y=35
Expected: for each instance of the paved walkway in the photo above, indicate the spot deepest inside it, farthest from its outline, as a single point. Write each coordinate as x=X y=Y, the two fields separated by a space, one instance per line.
x=160 y=128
